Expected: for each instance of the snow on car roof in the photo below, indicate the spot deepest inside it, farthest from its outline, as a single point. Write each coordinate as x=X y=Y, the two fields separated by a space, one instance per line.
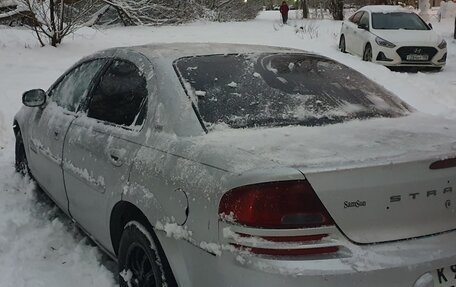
x=172 y=51
x=178 y=50
x=385 y=9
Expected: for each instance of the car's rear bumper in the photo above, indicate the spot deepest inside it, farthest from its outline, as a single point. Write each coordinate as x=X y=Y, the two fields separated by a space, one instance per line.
x=389 y=57
x=393 y=264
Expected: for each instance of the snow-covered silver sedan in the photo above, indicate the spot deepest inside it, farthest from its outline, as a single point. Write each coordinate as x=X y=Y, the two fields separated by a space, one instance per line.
x=236 y=165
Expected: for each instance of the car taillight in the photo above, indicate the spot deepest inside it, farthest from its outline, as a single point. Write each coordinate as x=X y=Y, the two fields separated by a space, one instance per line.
x=283 y=218
x=285 y=204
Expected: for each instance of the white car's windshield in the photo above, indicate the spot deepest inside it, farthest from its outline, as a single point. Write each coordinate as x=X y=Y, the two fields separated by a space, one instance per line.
x=398 y=20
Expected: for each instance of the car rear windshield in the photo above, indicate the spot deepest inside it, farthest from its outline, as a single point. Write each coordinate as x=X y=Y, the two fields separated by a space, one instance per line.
x=398 y=20
x=248 y=90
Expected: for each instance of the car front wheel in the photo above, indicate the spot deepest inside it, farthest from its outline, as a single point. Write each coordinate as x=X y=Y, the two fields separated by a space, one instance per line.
x=139 y=260
x=21 y=163
x=367 y=55
x=342 y=44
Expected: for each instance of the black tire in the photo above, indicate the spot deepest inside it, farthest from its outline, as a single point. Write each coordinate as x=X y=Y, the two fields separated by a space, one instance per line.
x=139 y=259
x=342 y=47
x=367 y=54
x=21 y=162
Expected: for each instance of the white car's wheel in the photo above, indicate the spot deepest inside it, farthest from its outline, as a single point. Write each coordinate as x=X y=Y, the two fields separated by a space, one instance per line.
x=342 y=44
x=21 y=163
x=367 y=54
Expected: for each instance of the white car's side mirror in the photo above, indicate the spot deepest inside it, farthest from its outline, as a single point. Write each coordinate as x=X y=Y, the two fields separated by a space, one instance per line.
x=363 y=26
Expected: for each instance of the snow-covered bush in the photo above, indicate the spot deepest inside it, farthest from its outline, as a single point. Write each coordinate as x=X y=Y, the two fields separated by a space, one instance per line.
x=308 y=29
x=154 y=12
x=447 y=10
x=233 y=10
x=158 y=12
x=57 y=18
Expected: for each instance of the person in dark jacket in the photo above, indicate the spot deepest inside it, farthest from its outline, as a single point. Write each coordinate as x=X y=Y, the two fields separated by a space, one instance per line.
x=284 y=11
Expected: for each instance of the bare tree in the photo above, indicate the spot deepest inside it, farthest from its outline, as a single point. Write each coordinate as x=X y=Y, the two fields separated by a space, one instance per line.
x=55 y=19
x=154 y=12
x=159 y=12
x=234 y=10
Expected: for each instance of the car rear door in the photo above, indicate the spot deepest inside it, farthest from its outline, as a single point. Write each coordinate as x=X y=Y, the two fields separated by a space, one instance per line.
x=49 y=126
x=100 y=145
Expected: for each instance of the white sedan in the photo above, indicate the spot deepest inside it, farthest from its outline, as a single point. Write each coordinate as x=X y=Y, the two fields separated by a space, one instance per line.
x=392 y=36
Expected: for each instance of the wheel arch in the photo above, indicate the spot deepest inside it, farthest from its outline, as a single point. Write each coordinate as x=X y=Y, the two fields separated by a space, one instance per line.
x=121 y=214
x=124 y=212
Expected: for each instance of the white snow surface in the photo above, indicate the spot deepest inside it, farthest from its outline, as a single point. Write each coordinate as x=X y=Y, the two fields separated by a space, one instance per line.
x=39 y=245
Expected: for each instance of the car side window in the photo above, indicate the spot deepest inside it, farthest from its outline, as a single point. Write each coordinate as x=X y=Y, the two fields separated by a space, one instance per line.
x=71 y=90
x=364 y=20
x=356 y=17
x=120 y=96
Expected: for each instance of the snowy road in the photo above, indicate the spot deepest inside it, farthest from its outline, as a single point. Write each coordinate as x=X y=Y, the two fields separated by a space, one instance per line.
x=38 y=245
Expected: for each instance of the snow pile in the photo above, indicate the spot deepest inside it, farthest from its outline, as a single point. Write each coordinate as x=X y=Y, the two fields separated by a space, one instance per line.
x=174 y=230
x=39 y=246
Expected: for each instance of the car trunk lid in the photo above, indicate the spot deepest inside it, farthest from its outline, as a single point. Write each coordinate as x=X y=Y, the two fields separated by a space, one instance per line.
x=389 y=202
x=373 y=176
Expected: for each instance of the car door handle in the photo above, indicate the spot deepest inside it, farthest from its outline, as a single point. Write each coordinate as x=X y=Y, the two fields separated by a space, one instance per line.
x=115 y=158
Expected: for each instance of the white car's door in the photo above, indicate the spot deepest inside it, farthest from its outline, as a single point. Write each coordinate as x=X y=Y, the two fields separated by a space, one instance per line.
x=101 y=145
x=362 y=34
x=50 y=124
x=349 y=30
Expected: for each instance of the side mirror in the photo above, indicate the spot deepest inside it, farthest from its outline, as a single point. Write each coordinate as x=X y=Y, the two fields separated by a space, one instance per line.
x=430 y=26
x=363 y=26
x=34 y=98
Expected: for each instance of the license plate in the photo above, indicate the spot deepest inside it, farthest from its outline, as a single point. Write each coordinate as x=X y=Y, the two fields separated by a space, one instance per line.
x=414 y=57
x=445 y=277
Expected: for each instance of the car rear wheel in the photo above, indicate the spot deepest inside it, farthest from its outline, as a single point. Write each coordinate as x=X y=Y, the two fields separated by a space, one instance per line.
x=139 y=261
x=342 y=44
x=367 y=55
x=21 y=163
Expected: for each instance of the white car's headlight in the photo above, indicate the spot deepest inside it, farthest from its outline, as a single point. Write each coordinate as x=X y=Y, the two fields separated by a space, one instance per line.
x=442 y=45
x=384 y=43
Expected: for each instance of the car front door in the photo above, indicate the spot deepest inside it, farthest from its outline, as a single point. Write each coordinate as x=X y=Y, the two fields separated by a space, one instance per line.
x=49 y=126
x=362 y=35
x=350 y=29
x=100 y=145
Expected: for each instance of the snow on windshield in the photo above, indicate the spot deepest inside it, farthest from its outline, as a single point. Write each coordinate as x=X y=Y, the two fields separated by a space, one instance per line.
x=246 y=90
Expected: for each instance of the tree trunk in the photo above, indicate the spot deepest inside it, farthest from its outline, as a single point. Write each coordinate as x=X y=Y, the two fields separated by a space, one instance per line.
x=305 y=9
x=53 y=25
x=337 y=9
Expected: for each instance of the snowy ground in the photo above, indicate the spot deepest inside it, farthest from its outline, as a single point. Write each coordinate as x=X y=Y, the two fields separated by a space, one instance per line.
x=38 y=245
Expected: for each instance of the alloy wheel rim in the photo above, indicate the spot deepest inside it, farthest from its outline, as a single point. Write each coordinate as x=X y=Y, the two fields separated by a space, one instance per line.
x=140 y=265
